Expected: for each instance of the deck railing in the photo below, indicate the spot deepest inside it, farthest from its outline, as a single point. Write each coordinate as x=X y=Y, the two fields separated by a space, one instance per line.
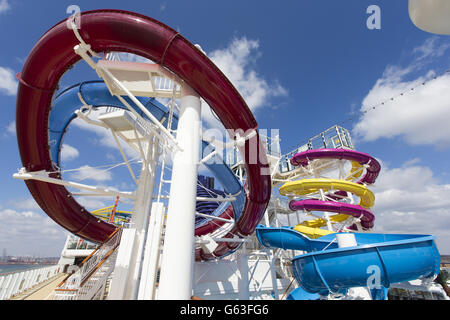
x=15 y=283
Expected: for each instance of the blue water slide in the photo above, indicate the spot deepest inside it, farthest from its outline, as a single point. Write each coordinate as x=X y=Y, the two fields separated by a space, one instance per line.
x=96 y=94
x=93 y=93
x=300 y=294
x=326 y=268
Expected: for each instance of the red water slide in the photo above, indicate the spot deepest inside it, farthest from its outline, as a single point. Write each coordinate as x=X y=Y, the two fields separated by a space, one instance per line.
x=122 y=31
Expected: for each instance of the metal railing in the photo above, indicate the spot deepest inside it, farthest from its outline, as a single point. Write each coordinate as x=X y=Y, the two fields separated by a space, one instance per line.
x=271 y=145
x=87 y=283
x=15 y=283
x=334 y=137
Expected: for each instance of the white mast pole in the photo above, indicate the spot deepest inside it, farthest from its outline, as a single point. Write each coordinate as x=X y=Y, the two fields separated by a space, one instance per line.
x=177 y=266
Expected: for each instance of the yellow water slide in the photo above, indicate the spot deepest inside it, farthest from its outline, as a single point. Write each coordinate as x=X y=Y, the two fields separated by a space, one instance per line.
x=312 y=228
x=307 y=186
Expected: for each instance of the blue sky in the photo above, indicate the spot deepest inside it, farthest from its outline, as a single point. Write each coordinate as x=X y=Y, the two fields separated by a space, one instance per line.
x=302 y=66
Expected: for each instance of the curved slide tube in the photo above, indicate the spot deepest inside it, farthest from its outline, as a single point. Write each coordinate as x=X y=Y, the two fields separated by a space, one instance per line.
x=119 y=215
x=300 y=294
x=307 y=186
x=327 y=268
x=96 y=94
x=372 y=171
x=366 y=216
x=122 y=31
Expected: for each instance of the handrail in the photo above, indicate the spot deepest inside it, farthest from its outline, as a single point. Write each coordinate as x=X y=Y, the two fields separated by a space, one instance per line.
x=96 y=249
x=110 y=252
x=90 y=273
x=63 y=280
x=66 y=290
x=87 y=270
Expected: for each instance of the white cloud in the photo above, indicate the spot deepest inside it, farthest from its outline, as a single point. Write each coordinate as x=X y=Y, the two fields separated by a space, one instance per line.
x=237 y=62
x=431 y=48
x=87 y=172
x=69 y=153
x=4 y=6
x=10 y=130
x=130 y=57
x=415 y=114
x=25 y=204
x=91 y=203
x=409 y=199
x=30 y=233
x=8 y=83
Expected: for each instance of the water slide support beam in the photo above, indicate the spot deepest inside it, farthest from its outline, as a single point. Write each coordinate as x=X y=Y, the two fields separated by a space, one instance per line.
x=243 y=282
x=141 y=219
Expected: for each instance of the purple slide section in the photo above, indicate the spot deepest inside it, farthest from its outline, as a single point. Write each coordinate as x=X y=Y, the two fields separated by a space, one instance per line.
x=367 y=217
x=372 y=171
x=302 y=159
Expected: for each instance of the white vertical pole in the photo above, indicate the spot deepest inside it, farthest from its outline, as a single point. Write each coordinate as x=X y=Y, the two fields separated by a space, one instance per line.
x=119 y=280
x=243 y=283
x=177 y=265
x=141 y=214
x=327 y=218
x=151 y=254
x=323 y=198
x=273 y=274
x=266 y=218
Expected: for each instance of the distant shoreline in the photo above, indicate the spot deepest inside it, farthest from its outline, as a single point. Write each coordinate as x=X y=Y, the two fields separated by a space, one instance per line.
x=27 y=263
x=11 y=268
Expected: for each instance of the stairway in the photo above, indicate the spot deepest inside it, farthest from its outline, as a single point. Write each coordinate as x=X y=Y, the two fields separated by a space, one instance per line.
x=91 y=280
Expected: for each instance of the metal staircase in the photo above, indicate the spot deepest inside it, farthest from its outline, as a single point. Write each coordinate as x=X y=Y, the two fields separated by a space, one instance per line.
x=90 y=281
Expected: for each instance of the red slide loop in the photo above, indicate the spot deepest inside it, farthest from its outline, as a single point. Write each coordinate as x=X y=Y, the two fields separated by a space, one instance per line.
x=122 y=31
